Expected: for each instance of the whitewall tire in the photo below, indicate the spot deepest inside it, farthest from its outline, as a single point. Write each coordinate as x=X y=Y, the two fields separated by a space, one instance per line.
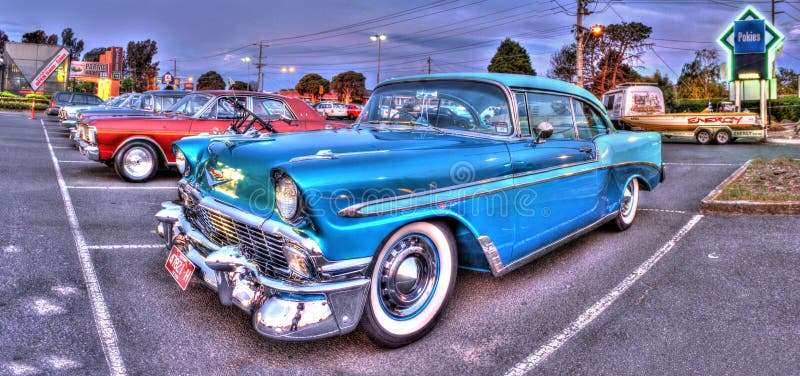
x=412 y=278
x=628 y=206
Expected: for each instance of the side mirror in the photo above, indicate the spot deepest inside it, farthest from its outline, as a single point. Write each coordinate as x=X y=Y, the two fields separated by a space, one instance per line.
x=543 y=131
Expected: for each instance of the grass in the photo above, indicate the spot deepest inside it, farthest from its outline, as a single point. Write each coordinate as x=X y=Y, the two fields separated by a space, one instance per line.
x=766 y=180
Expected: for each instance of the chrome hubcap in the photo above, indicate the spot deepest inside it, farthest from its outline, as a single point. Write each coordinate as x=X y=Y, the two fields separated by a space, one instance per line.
x=408 y=276
x=138 y=162
x=703 y=137
x=722 y=137
x=627 y=200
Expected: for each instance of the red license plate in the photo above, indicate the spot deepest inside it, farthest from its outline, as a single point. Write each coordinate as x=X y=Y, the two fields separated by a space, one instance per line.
x=179 y=267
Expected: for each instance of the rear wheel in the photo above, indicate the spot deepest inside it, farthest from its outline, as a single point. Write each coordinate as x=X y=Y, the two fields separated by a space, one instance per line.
x=703 y=137
x=722 y=137
x=628 y=206
x=412 y=278
x=137 y=162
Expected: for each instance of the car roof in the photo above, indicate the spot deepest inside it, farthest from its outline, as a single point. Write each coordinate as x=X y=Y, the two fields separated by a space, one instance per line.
x=514 y=81
x=167 y=92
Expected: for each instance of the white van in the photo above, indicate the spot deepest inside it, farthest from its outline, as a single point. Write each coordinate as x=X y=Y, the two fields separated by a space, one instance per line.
x=631 y=99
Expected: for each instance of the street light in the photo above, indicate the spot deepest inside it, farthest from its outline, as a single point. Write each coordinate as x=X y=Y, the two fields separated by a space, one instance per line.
x=246 y=60
x=287 y=69
x=379 y=38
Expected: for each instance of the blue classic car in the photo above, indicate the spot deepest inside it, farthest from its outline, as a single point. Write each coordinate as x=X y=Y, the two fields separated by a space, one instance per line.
x=313 y=233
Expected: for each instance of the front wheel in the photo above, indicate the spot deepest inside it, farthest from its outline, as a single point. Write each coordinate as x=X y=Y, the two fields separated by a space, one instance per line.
x=412 y=278
x=137 y=162
x=628 y=206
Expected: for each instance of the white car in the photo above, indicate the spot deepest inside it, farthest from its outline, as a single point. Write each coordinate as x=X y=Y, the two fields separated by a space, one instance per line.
x=332 y=110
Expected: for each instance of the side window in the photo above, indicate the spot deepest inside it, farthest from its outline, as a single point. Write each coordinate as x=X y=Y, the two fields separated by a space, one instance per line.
x=589 y=122
x=96 y=100
x=554 y=109
x=522 y=108
x=147 y=102
x=80 y=99
x=268 y=106
x=62 y=97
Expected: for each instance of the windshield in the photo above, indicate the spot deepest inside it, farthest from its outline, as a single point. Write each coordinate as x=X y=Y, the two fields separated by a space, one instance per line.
x=191 y=104
x=457 y=105
x=131 y=101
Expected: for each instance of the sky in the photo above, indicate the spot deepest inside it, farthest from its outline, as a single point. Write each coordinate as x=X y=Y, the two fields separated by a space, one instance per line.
x=332 y=36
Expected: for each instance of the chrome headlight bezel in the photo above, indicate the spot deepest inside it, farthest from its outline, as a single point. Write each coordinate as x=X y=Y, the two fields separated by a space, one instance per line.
x=181 y=162
x=287 y=198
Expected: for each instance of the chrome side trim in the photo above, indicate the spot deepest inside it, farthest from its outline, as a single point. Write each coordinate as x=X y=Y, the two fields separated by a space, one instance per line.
x=354 y=211
x=327 y=154
x=499 y=270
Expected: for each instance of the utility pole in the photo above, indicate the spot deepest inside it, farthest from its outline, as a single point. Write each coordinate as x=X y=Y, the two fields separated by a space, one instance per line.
x=175 y=68
x=429 y=65
x=773 y=10
x=579 y=45
x=260 y=63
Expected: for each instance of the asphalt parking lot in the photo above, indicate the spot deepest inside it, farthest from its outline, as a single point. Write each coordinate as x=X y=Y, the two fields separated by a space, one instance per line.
x=678 y=293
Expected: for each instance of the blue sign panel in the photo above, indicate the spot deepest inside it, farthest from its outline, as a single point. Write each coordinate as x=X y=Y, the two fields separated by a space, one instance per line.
x=749 y=37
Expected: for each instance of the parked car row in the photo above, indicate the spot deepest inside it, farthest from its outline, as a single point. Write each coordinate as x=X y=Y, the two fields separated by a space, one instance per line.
x=316 y=233
x=338 y=110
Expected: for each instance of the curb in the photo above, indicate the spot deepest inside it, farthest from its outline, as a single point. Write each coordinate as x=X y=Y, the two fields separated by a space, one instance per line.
x=783 y=141
x=710 y=205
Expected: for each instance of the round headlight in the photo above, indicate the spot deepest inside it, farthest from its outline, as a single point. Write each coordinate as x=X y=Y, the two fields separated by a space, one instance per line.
x=287 y=197
x=181 y=162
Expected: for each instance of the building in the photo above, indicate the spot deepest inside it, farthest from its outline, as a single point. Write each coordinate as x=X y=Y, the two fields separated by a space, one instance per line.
x=28 y=68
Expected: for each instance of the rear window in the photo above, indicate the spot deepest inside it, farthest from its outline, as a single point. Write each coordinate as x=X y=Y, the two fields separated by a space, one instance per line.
x=62 y=97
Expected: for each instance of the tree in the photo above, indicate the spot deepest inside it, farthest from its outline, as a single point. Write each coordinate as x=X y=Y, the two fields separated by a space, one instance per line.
x=38 y=36
x=698 y=78
x=72 y=44
x=210 y=80
x=3 y=40
x=787 y=81
x=348 y=85
x=140 y=62
x=608 y=60
x=563 y=63
x=664 y=83
x=52 y=40
x=94 y=54
x=511 y=57
x=241 y=86
x=126 y=85
x=310 y=84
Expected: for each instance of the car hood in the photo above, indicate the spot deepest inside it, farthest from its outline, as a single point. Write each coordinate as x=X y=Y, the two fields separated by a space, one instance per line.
x=238 y=170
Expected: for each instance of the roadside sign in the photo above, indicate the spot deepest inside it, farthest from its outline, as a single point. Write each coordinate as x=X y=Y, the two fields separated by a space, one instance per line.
x=51 y=67
x=749 y=37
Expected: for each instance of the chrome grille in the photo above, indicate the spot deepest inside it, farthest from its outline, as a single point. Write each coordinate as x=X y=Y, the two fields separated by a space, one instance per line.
x=263 y=249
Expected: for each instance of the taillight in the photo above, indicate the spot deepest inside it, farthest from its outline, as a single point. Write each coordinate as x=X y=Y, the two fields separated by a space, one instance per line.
x=53 y=103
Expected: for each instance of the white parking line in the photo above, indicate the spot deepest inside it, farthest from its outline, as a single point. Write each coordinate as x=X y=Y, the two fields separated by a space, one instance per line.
x=702 y=164
x=102 y=318
x=120 y=188
x=663 y=210
x=586 y=318
x=92 y=162
x=126 y=246
x=63 y=147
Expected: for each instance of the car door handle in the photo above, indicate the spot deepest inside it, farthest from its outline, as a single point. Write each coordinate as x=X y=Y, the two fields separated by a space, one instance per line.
x=586 y=150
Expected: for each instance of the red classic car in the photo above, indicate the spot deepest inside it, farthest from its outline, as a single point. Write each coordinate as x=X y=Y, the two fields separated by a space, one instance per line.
x=353 y=110
x=137 y=146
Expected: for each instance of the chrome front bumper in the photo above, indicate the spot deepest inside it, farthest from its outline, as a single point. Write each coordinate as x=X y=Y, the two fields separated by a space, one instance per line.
x=88 y=151
x=283 y=310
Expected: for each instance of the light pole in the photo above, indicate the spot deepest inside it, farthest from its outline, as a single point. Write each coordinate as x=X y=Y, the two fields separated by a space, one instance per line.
x=246 y=60
x=379 y=38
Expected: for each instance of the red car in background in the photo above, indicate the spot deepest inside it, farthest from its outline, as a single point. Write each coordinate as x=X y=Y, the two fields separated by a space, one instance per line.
x=353 y=110
x=138 y=146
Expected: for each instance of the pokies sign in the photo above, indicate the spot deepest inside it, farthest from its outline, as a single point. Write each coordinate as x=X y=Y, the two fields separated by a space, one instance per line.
x=751 y=42
x=748 y=37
